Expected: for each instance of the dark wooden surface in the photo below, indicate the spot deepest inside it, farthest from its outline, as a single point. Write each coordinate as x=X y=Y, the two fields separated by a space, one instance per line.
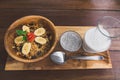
x=61 y=12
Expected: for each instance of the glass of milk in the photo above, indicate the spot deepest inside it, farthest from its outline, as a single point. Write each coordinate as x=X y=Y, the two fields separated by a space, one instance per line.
x=98 y=39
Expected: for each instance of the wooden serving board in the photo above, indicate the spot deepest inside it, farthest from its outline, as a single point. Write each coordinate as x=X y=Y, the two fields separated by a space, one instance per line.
x=47 y=64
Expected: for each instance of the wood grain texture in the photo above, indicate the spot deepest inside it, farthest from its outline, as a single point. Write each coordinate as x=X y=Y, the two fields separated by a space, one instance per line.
x=61 y=12
x=58 y=17
x=47 y=64
x=62 y=4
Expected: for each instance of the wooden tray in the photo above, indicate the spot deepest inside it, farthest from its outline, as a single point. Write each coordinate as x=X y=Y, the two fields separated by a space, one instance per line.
x=47 y=64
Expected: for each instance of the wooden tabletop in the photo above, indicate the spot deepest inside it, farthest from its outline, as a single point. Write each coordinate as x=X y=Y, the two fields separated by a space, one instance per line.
x=61 y=13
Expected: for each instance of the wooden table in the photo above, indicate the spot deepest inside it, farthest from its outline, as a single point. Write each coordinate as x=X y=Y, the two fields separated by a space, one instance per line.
x=61 y=12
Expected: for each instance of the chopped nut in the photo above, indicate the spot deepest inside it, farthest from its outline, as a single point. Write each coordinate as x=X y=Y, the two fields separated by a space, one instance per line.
x=13 y=46
x=18 y=53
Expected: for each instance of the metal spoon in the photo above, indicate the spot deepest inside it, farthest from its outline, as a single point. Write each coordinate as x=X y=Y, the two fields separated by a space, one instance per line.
x=59 y=57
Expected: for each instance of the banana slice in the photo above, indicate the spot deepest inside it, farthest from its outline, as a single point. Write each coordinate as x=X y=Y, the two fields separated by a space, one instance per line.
x=26 y=28
x=18 y=40
x=26 y=48
x=39 y=31
x=40 y=40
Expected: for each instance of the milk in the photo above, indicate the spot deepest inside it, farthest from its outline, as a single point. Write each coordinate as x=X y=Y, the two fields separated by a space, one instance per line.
x=94 y=41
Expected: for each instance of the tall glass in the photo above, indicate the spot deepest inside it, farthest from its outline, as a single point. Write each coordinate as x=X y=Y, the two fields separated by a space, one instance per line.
x=98 y=39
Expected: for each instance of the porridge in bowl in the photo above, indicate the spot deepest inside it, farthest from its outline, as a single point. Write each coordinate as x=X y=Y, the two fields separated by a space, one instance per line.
x=30 y=38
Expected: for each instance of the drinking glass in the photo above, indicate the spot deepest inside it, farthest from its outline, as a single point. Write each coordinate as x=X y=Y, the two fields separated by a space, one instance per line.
x=98 y=39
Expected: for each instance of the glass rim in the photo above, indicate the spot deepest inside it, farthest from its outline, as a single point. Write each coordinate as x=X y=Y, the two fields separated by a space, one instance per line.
x=102 y=31
x=76 y=33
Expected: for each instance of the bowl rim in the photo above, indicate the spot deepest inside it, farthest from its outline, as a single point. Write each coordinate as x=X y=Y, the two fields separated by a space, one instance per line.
x=31 y=60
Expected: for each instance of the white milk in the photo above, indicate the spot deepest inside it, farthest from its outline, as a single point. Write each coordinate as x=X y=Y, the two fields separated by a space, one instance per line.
x=94 y=41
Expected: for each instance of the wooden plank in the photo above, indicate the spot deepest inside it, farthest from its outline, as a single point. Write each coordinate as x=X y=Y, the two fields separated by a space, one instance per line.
x=62 y=5
x=102 y=74
x=58 y=17
x=47 y=64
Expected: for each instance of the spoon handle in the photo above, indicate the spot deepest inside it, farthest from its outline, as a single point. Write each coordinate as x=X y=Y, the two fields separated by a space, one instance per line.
x=88 y=57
